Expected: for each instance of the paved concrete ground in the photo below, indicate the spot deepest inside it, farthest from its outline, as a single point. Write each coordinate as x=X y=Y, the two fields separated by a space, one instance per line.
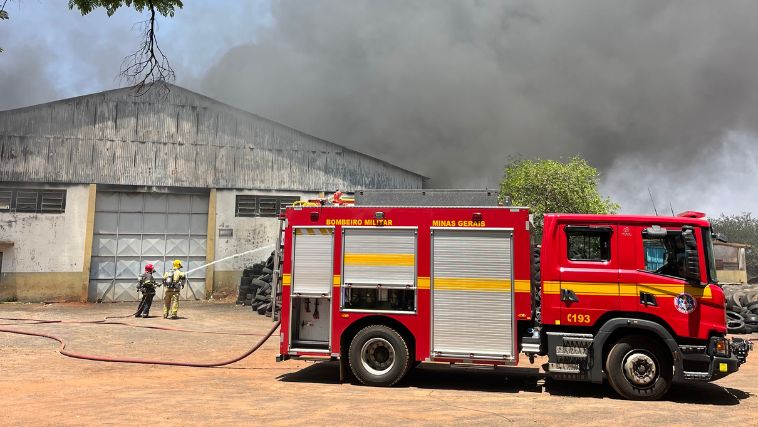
x=40 y=387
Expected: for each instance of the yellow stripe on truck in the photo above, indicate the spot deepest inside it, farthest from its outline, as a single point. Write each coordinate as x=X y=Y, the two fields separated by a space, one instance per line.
x=286 y=279
x=626 y=289
x=373 y=260
x=471 y=284
x=523 y=285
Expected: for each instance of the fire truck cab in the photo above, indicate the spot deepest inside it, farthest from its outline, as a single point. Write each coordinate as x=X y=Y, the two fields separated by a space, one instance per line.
x=631 y=300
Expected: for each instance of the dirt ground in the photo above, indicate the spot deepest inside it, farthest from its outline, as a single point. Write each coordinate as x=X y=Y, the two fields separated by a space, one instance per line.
x=39 y=386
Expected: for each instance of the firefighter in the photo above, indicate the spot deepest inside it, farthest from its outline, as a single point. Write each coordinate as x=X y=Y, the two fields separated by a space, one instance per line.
x=146 y=284
x=174 y=281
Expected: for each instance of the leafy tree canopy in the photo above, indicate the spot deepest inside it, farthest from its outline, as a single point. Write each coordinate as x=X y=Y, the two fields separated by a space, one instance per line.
x=740 y=229
x=555 y=186
x=164 y=7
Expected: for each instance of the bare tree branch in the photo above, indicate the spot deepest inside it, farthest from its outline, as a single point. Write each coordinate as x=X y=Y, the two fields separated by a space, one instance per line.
x=3 y=16
x=147 y=68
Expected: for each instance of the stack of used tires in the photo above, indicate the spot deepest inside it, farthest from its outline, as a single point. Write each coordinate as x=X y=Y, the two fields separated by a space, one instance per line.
x=741 y=308
x=255 y=286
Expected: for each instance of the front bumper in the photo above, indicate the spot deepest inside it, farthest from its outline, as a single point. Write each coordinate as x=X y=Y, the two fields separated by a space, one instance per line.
x=718 y=366
x=722 y=366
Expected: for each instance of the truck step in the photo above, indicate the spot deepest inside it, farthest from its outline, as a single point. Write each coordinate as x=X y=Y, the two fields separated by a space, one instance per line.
x=564 y=368
x=571 y=357
x=530 y=348
x=582 y=342
x=700 y=376
x=575 y=352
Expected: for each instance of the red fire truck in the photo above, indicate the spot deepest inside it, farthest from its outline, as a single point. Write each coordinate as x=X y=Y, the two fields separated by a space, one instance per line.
x=631 y=300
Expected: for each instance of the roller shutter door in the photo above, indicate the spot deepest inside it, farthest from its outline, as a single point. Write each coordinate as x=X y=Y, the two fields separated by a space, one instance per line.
x=379 y=256
x=132 y=229
x=472 y=294
x=312 y=264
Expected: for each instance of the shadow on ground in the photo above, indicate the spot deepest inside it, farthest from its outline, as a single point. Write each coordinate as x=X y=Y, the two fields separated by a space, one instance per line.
x=515 y=380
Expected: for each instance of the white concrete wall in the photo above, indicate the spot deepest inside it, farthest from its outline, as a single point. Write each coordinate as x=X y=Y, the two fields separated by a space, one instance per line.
x=248 y=233
x=46 y=257
x=46 y=242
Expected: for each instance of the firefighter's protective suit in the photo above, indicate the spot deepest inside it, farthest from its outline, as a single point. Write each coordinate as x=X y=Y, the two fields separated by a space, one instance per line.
x=146 y=285
x=173 y=281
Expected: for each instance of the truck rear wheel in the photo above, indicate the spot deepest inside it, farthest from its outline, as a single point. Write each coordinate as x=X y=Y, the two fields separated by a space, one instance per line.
x=639 y=368
x=378 y=356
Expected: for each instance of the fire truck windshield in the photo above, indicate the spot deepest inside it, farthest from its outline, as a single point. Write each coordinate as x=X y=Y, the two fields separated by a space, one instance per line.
x=710 y=261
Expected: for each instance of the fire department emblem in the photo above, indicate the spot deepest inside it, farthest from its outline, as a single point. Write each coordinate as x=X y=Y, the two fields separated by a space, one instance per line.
x=685 y=303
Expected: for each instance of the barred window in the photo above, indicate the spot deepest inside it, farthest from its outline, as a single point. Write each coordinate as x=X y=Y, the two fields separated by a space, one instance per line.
x=586 y=244
x=262 y=206
x=32 y=201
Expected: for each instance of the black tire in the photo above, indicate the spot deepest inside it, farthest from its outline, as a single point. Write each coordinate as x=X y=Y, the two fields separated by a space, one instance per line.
x=751 y=318
x=736 y=328
x=733 y=316
x=267 y=270
x=263 y=307
x=257 y=269
x=535 y=280
x=378 y=356
x=256 y=283
x=245 y=281
x=753 y=307
x=739 y=299
x=639 y=368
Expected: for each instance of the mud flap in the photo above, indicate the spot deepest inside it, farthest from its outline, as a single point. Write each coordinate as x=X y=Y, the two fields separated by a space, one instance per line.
x=343 y=370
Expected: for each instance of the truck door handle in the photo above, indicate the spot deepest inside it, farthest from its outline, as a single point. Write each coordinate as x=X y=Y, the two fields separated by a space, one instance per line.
x=648 y=299
x=567 y=295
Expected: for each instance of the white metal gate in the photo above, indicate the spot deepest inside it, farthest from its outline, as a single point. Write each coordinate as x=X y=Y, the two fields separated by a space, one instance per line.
x=133 y=229
x=472 y=293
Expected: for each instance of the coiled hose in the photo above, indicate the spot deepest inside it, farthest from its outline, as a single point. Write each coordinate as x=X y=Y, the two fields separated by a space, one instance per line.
x=62 y=348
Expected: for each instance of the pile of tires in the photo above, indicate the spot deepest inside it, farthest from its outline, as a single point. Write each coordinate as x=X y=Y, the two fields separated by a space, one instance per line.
x=741 y=308
x=255 y=286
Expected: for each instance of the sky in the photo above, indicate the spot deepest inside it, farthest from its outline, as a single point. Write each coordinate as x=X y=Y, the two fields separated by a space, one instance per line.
x=658 y=95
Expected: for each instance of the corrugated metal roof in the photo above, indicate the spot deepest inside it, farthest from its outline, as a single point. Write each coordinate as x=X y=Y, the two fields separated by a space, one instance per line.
x=181 y=139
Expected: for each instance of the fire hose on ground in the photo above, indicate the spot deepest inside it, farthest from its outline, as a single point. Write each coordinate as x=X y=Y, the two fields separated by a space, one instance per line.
x=62 y=348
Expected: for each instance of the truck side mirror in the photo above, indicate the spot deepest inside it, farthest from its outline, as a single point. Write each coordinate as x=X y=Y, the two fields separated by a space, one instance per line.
x=691 y=255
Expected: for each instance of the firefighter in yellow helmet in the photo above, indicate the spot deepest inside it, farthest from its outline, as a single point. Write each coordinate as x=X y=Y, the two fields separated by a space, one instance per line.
x=173 y=282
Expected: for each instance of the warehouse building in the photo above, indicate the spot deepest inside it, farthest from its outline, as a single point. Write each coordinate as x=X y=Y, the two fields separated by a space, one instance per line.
x=93 y=188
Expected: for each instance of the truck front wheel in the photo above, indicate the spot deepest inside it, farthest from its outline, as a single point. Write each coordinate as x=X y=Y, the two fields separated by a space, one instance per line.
x=378 y=356
x=639 y=368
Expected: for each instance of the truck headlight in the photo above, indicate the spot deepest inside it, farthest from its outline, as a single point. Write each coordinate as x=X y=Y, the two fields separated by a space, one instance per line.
x=720 y=346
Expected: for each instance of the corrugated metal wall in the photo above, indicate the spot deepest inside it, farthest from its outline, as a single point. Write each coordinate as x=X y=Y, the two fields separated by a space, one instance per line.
x=183 y=139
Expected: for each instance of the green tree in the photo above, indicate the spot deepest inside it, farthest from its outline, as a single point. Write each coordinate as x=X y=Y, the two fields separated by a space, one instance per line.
x=740 y=229
x=147 y=65
x=555 y=186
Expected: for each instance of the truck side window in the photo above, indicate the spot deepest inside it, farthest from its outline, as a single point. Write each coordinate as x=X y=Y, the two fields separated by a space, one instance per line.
x=586 y=244
x=664 y=255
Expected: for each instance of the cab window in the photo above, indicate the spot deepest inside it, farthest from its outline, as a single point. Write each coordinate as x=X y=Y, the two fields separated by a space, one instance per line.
x=664 y=255
x=588 y=244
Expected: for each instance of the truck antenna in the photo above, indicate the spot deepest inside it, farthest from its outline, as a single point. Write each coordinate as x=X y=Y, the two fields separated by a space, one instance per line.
x=651 y=200
x=672 y=208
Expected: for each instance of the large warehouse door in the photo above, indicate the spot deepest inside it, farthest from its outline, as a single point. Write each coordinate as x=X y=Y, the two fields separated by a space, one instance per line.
x=134 y=229
x=472 y=294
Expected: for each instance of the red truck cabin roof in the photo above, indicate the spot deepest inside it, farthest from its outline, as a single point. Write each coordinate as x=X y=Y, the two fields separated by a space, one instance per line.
x=626 y=219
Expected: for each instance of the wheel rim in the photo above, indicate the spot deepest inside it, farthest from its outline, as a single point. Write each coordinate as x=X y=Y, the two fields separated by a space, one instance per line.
x=377 y=356
x=640 y=369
